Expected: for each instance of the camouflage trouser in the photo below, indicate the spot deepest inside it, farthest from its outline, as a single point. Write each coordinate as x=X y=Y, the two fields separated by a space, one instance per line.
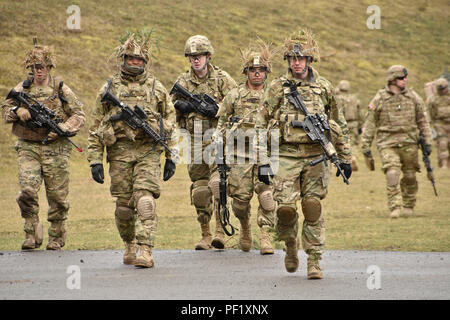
x=443 y=140
x=401 y=193
x=201 y=194
x=354 y=135
x=48 y=163
x=242 y=183
x=135 y=172
x=295 y=180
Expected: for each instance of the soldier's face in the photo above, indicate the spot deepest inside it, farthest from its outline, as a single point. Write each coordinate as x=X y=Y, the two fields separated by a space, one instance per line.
x=256 y=75
x=298 y=66
x=401 y=82
x=198 y=61
x=40 y=72
x=134 y=61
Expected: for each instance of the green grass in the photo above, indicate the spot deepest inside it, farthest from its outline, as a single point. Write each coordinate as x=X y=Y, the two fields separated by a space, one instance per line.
x=412 y=34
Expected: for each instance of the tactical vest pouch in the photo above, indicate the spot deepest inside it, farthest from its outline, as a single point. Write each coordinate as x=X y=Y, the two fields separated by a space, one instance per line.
x=291 y=134
x=38 y=134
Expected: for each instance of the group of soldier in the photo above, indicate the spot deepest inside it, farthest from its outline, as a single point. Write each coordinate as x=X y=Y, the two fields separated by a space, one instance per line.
x=395 y=115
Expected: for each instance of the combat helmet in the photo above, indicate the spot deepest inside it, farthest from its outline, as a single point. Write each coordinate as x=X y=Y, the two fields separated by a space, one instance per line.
x=395 y=71
x=441 y=83
x=43 y=55
x=198 y=44
x=344 y=85
x=136 y=44
x=301 y=44
x=257 y=54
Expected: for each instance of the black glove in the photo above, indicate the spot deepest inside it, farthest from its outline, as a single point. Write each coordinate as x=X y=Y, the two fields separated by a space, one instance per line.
x=97 y=172
x=169 y=169
x=428 y=149
x=360 y=131
x=347 y=168
x=264 y=172
x=184 y=106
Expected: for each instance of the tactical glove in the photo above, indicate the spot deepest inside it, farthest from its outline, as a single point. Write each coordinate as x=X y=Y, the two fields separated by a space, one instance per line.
x=169 y=169
x=97 y=172
x=23 y=114
x=347 y=168
x=184 y=106
x=264 y=172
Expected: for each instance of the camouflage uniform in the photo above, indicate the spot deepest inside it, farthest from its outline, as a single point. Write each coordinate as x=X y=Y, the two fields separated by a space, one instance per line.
x=439 y=109
x=204 y=178
x=48 y=163
x=133 y=156
x=395 y=118
x=295 y=178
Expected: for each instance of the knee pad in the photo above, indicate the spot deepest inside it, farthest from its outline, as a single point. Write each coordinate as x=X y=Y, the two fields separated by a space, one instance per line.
x=240 y=208
x=266 y=201
x=27 y=202
x=409 y=177
x=146 y=207
x=312 y=209
x=123 y=212
x=392 y=177
x=286 y=215
x=214 y=186
x=200 y=193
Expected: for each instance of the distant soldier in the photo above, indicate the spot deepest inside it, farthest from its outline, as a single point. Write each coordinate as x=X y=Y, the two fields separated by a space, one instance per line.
x=133 y=156
x=202 y=78
x=395 y=115
x=296 y=177
x=238 y=113
x=439 y=108
x=38 y=162
x=353 y=114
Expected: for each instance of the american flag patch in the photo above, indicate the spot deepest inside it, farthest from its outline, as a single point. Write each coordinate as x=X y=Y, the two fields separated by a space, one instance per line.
x=371 y=106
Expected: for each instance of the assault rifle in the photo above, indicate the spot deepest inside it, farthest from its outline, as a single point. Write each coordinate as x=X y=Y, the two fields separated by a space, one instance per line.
x=41 y=117
x=203 y=104
x=315 y=127
x=135 y=118
x=223 y=214
x=426 y=161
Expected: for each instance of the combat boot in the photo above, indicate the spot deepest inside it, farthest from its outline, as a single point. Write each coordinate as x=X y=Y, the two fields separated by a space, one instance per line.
x=245 y=236
x=57 y=235
x=407 y=212
x=145 y=259
x=291 y=258
x=29 y=243
x=131 y=248
x=53 y=244
x=205 y=242
x=218 y=241
x=264 y=241
x=395 y=213
x=314 y=269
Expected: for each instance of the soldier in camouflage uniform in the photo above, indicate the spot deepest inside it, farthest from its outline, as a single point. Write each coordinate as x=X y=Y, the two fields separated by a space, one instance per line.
x=38 y=162
x=296 y=178
x=439 y=108
x=394 y=115
x=353 y=114
x=238 y=114
x=133 y=156
x=203 y=77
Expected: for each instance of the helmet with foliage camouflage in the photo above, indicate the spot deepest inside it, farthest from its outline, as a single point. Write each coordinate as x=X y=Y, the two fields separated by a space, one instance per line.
x=344 y=85
x=441 y=83
x=301 y=44
x=396 y=71
x=40 y=55
x=198 y=44
x=137 y=44
x=257 y=54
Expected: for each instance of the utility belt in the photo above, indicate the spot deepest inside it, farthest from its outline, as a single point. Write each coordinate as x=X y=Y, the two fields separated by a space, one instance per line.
x=24 y=133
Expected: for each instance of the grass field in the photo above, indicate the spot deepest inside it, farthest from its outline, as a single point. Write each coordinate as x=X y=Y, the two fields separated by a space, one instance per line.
x=414 y=34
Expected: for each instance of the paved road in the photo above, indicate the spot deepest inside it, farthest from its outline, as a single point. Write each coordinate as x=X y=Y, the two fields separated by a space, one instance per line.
x=224 y=275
